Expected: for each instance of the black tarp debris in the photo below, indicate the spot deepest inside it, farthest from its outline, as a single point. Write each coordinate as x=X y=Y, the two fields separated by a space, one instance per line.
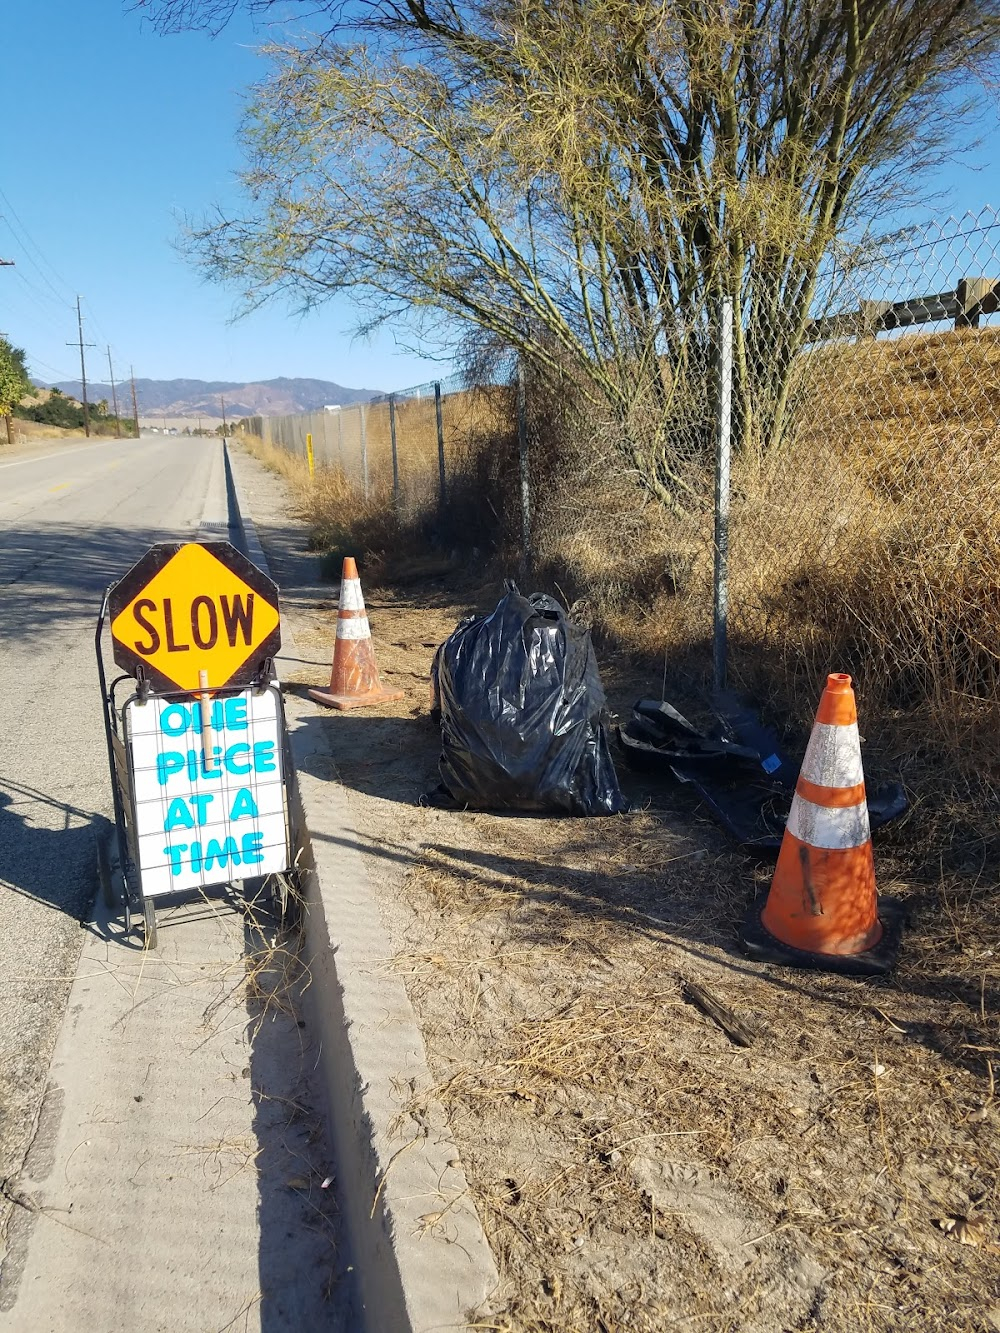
x=521 y=707
x=739 y=769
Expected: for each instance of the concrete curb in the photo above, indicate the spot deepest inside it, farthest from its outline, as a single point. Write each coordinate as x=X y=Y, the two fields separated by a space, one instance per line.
x=420 y=1255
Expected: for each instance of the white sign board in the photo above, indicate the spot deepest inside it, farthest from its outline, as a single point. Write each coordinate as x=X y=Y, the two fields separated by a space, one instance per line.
x=203 y=820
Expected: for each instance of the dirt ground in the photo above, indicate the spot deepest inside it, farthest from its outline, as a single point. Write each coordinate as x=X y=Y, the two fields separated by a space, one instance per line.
x=633 y=1168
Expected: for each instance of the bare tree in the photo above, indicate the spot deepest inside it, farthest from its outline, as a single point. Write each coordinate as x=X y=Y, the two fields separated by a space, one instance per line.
x=582 y=179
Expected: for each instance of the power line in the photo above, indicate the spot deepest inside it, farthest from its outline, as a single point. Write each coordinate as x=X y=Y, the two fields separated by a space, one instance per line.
x=24 y=240
x=30 y=328
x=96 y=324
x=30 y=316
x=25 y=254
x=28 y=241
x=54 y=370
x=38 y=295
x=34 y=316
x=39 y=311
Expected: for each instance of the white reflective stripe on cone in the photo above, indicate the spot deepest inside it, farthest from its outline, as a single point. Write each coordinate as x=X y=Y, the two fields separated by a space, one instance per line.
x=833 y=756
x=835 y=830
x=351 y=598
x=353 y=627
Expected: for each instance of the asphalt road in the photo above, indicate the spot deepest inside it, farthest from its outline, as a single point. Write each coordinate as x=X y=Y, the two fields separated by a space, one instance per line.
x=170 y=1107
x=73 y=518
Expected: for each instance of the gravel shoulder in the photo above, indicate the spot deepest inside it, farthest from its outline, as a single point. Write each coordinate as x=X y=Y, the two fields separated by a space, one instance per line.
x=633 y=1168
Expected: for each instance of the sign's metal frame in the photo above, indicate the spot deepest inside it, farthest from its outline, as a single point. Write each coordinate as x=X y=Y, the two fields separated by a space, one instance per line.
x=121 y=887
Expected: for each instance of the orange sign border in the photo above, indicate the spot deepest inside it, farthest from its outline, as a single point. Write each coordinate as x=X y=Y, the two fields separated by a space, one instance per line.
x=128 y=588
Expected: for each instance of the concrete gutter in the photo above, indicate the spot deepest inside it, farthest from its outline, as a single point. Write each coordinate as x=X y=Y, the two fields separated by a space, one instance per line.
x=421 y=1258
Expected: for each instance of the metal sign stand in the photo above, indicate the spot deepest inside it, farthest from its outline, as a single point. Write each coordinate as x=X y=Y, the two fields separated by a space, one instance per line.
x=121 y=697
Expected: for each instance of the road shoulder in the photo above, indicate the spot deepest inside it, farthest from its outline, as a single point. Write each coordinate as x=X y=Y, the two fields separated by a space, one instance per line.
x=422 y=1258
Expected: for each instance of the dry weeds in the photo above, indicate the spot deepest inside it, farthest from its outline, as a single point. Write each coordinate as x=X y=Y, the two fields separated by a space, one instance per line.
x=635 y=1170
x=868 y=542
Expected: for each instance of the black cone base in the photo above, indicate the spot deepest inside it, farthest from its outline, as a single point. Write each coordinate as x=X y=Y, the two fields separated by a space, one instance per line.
x=759 y=944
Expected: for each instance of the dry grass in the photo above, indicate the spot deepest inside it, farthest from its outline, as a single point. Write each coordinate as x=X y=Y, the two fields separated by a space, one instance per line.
x=869 y=542
x=468 y=418
x=23 y=431
x=325 y=501
x=287 y=465
x=421 y=536
x=633 y=1169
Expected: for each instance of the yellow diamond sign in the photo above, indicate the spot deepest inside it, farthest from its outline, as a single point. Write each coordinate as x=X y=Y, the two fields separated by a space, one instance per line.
x=193 y=607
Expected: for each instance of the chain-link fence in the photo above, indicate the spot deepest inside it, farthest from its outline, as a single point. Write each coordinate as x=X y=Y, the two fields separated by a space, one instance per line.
x=855 y=522
x=423 y=451
x=401 y=447
x=864 y=529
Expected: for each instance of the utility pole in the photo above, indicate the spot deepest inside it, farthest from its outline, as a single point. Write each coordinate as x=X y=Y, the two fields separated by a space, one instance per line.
x=83 y=367
x=223 y=401
x=8 y=263
x=135 y=406
x=114 y=397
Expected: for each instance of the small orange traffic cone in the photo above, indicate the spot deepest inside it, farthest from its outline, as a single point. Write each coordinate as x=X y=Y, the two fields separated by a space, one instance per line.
x=354 y=681
x=822 y=910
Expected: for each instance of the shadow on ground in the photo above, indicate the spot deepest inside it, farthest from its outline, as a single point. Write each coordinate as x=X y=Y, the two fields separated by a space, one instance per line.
x=58 y=572
x=696 y=904
x=303 y=1262
x=57 y=865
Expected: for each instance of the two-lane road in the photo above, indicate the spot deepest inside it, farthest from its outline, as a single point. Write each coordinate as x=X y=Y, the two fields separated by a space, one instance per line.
x=72 y=520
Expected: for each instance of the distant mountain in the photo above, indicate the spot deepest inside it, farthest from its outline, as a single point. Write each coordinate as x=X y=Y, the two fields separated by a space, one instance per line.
x=203 y=398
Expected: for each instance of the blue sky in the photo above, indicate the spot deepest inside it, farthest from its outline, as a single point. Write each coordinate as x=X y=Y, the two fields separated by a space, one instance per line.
x=112 y=134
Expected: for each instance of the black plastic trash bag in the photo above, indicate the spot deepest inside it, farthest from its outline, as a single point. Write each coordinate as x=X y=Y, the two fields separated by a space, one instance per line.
x=522 y=713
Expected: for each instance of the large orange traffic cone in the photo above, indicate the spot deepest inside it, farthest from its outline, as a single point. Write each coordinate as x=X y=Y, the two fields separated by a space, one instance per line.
x=354 y=681
x=822 y=910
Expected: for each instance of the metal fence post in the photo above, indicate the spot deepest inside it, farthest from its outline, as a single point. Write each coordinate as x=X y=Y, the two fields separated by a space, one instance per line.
x=326 y=438
x=522 y=458
x=340 y=440
x=723 y=453
x=364 y=450
x=395 y=456
x=440 y=438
